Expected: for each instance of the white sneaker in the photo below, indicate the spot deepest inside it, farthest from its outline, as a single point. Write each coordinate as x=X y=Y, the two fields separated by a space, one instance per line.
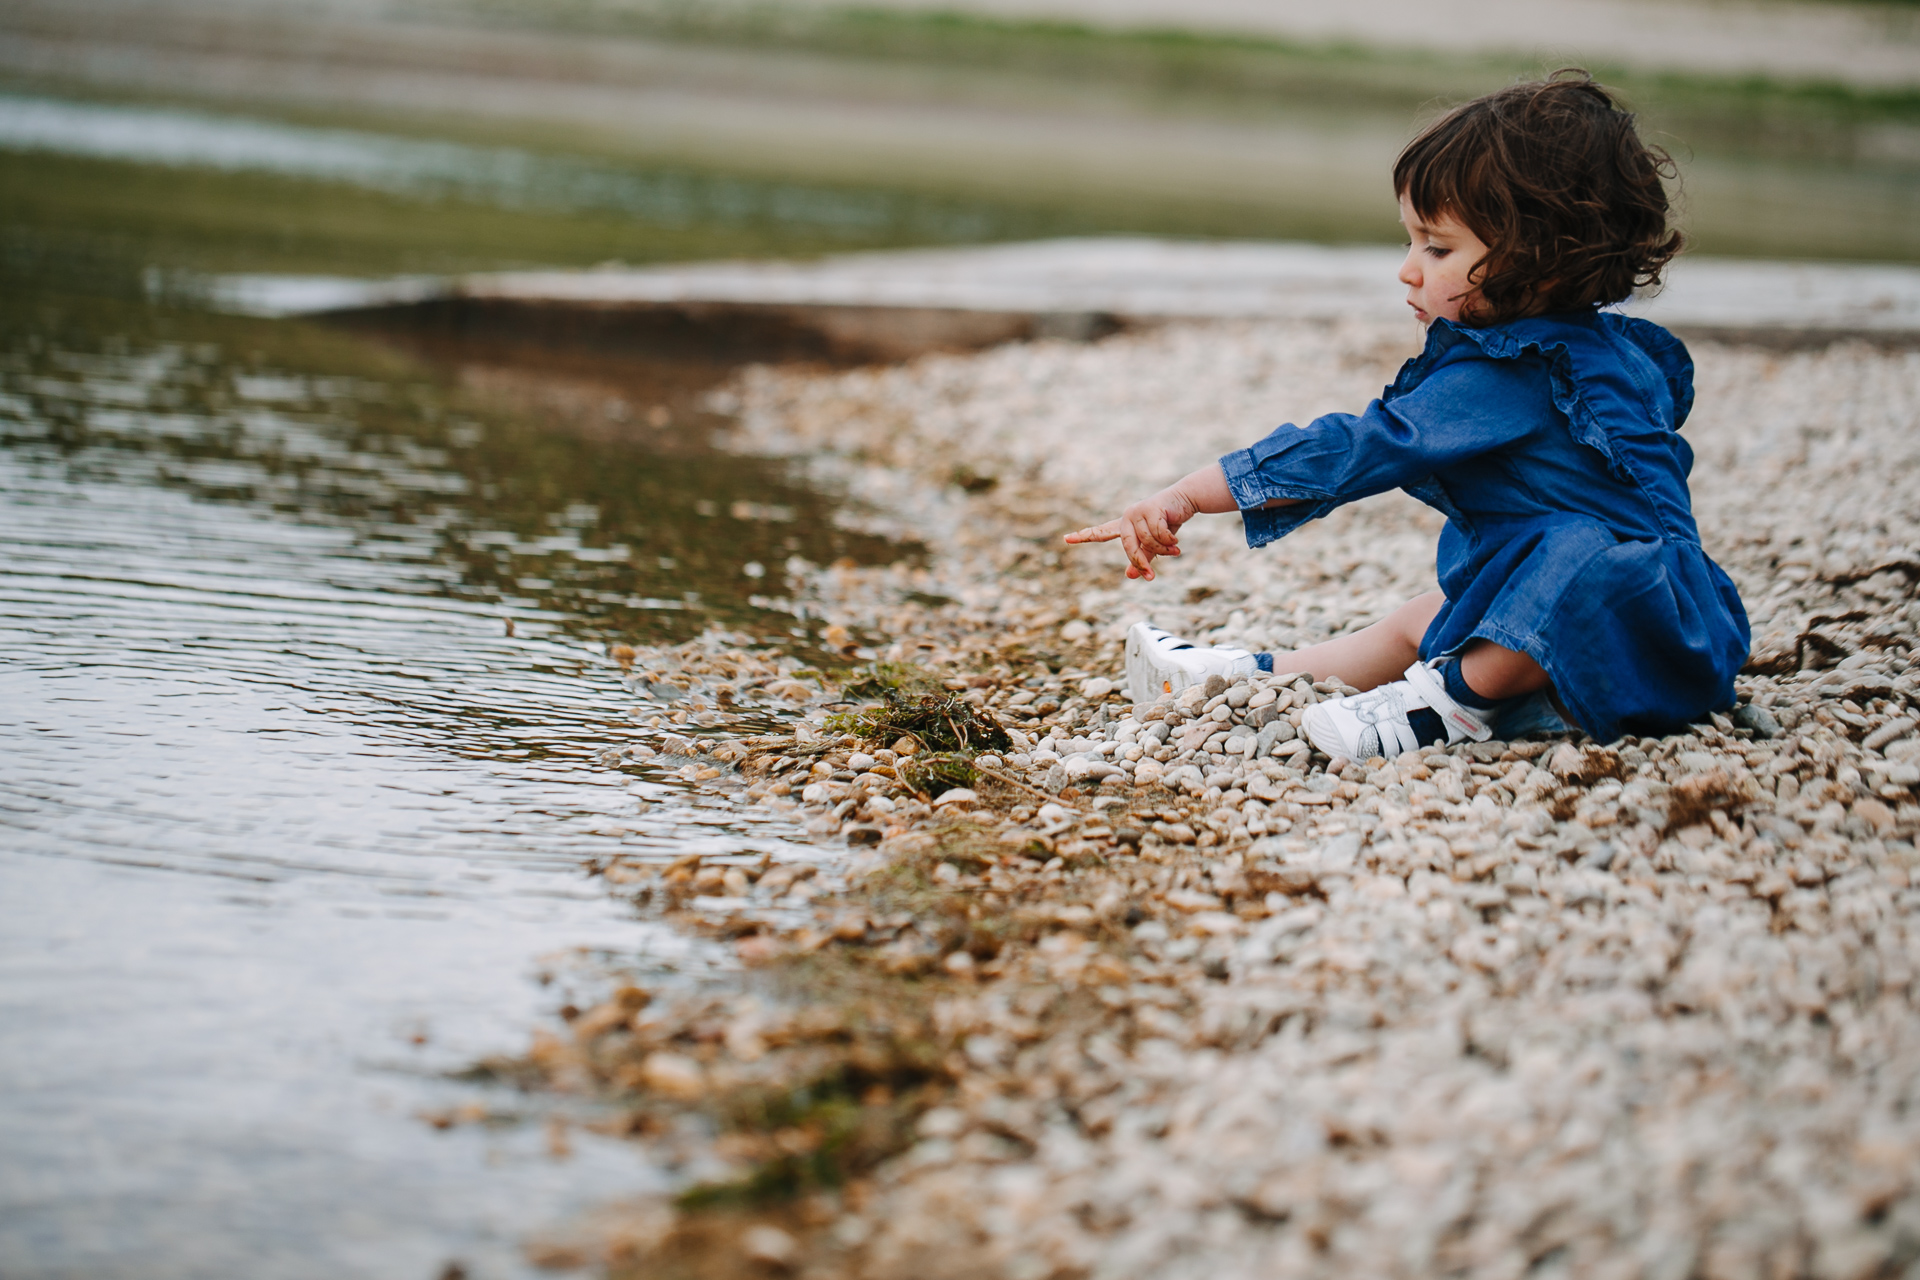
x=1160 y=663
x=1375 y=723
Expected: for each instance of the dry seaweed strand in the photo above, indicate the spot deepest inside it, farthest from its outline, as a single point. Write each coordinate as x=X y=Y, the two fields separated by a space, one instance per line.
x=1012 y=781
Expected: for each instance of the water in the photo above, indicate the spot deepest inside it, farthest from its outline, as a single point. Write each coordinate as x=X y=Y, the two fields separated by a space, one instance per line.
x=431 y=169
x=290 y=827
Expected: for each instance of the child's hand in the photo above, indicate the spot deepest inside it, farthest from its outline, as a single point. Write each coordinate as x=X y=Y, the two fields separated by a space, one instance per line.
x=1146 y=529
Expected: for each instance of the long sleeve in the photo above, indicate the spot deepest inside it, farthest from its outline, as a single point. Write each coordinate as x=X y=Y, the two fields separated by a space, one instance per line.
x=1465 y=408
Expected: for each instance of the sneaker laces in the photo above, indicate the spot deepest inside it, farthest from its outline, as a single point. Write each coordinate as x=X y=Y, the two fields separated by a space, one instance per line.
x=1382 y=714
x=1373 y=707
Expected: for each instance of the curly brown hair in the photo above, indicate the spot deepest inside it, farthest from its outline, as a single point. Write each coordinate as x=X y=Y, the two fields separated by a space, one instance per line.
x=1553 y=178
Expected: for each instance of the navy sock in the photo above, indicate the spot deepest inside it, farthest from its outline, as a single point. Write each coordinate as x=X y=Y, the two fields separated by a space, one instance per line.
x=1460 y=691
x=1428 y=728
x=1264 y=661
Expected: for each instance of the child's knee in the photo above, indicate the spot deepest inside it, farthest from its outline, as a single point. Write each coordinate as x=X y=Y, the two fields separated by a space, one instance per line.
x=1413 y=618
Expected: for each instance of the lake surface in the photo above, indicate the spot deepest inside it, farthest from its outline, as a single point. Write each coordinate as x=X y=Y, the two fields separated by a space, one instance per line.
x=291 y=828
x=428 y=169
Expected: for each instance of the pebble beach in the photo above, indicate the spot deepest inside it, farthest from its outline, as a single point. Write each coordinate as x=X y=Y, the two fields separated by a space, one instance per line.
x=1191 y=999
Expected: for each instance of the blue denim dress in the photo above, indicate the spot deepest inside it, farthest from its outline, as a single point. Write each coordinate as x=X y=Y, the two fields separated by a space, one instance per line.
x=1552 y=446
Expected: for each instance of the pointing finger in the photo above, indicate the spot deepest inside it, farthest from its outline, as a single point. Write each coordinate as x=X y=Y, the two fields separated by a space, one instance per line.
x=1096 y=533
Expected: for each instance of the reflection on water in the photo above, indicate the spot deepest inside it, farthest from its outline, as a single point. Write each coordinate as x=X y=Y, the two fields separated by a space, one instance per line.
x=507 y=176
x=288 y=821
x=588 y=504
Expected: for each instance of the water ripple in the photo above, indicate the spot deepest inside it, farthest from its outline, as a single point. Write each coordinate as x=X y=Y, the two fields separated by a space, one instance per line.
x=288 y=820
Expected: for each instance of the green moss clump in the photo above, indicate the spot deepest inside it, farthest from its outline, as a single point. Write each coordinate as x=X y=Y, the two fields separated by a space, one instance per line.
x=938 y=721
x=837 y=1127
x=858 y=1081
x=887 y=678
x=938 y=772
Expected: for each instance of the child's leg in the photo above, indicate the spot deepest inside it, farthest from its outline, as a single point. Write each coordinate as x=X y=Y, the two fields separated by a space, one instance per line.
x=1497 y=673
x=1372 y=655
x=1384 y=650
x=1442 y=702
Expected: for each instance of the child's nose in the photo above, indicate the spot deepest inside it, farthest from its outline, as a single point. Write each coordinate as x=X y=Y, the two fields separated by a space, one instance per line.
x=1410 y=271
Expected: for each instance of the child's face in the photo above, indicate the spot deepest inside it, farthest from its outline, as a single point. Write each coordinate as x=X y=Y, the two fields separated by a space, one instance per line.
x=1440 y=253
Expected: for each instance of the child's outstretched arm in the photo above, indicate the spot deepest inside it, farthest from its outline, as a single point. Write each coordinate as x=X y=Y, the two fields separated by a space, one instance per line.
x=1151 y=527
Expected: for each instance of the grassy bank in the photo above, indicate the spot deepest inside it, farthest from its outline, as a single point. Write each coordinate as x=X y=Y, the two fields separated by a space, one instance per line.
x=1770 y=168
x=939 y=127
x=1192 y=70
x=63 y=214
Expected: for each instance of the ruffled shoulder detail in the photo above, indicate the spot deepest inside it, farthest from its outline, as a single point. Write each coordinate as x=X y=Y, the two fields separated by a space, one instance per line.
x=1617 y=378
x=1668 y=354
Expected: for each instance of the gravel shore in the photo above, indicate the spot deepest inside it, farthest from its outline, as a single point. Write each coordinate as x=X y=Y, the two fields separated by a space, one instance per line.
x=1547 y=1008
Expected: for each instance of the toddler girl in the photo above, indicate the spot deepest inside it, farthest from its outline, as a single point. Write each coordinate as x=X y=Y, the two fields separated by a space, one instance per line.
x=1544 y=428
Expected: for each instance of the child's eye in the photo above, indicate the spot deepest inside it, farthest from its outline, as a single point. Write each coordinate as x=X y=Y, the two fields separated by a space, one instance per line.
x=1436 y=251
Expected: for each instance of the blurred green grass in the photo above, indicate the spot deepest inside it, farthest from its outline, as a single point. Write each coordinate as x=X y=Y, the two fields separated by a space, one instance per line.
x=1191 y=70
x=96 y=225
x=64 y=214
x=1769 y=169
